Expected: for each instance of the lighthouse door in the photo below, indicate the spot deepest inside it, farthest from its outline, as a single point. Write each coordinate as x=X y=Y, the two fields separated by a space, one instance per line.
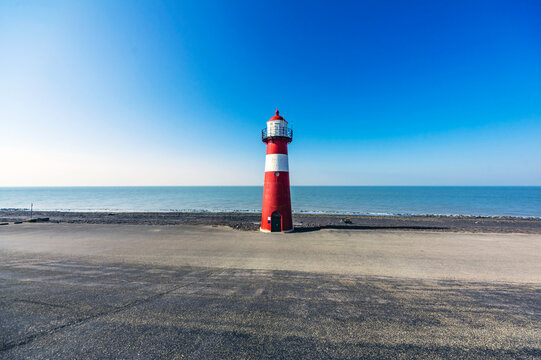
x=276 y=222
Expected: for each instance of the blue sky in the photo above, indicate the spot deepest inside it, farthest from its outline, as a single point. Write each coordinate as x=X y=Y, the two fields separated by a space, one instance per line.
x=176 y=93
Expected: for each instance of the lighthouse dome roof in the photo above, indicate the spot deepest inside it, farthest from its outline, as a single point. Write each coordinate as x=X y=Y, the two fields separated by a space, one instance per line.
x=276 y=116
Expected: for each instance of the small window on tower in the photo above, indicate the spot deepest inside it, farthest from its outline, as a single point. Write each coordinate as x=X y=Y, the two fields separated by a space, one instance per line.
x=276 y=173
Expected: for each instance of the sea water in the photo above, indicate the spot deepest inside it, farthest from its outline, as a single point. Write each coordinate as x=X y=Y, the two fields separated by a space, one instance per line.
x=372 y=200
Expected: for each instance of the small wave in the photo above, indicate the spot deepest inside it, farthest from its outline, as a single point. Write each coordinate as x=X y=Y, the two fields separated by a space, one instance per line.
x=257 y=211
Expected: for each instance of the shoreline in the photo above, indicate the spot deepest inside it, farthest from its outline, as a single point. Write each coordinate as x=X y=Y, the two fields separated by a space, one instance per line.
x=249 y=212
x=303 y=222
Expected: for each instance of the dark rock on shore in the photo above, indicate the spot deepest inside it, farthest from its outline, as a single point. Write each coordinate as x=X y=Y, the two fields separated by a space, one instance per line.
x=303 y=222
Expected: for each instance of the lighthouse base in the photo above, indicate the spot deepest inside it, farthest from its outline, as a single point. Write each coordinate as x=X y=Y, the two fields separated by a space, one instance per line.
x=277 y=232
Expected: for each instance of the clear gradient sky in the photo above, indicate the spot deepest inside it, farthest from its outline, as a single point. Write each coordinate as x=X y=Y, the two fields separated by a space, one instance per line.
x=176 y=93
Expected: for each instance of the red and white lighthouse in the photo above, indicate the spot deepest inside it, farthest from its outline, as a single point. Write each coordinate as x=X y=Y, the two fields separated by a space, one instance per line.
x=276 y=212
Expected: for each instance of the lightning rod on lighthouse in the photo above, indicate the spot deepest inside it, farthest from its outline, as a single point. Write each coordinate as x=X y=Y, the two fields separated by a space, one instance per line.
x=276 y=211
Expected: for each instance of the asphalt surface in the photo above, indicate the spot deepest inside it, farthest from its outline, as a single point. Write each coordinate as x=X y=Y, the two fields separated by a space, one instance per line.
x=72 y=296
x=390 y=253
x=71 y=309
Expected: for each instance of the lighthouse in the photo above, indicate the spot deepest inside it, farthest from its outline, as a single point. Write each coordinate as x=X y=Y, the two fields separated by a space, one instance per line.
x=276 y=212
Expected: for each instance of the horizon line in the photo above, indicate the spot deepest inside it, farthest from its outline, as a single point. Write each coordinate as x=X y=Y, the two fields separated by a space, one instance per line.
x=104 y=186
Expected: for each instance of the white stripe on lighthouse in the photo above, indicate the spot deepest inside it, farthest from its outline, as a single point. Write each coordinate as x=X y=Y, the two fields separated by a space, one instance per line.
x=276 y=162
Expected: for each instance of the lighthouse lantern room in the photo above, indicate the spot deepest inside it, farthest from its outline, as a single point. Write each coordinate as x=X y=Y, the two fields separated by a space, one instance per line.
x=276 y=212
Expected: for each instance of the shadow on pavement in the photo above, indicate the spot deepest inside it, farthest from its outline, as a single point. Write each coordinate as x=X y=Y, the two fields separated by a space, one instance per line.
x=366 y=227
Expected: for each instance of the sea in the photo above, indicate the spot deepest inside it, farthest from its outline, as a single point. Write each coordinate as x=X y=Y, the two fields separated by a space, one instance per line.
x=523 y=201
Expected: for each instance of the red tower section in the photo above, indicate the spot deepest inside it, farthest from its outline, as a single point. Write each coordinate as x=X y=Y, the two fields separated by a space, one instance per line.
x=276 y=212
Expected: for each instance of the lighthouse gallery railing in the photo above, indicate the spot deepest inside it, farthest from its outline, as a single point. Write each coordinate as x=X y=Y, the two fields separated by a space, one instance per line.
x=281 y=132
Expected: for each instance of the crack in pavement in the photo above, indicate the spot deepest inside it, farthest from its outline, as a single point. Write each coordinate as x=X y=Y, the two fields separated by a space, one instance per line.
x=41 y=303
